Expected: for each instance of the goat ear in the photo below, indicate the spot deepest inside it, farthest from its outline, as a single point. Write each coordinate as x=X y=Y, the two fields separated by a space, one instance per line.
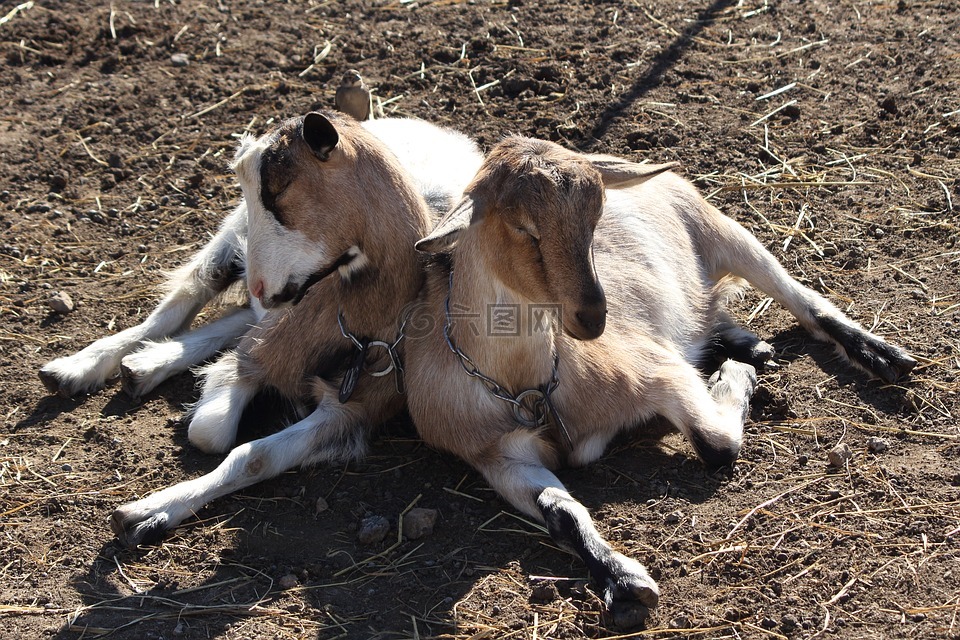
x=619 y=174
x=320 y=135
x=444 y=235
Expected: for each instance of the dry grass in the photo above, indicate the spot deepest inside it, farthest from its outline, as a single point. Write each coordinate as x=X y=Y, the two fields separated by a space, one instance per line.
x=874 y=544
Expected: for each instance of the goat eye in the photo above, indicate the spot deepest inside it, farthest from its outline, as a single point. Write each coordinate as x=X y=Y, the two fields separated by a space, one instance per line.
x=526 y=232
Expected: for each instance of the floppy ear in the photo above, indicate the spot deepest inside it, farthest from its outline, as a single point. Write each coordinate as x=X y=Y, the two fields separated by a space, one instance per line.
x=444 y=236
x=619 y=174
x=319 y=134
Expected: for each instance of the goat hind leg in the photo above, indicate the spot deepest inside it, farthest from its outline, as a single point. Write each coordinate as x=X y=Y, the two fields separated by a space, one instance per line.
x=324 y=435
x=740 y=344
x=741 y=254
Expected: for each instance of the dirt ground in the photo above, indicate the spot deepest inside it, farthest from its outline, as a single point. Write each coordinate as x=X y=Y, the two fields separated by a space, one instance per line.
x=830 y=129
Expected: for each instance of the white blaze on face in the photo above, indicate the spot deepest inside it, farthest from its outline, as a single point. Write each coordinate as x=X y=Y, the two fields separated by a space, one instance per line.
x=276 y=255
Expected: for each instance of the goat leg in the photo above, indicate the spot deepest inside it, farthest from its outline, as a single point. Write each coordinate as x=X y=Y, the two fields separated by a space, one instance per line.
x=208 y=273
x=326 y=435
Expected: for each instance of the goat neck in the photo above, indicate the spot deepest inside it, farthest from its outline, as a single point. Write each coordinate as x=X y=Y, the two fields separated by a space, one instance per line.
x=500 y=329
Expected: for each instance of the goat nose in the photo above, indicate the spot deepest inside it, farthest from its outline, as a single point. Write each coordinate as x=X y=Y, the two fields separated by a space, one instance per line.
x=592 y=320
x=257 y=290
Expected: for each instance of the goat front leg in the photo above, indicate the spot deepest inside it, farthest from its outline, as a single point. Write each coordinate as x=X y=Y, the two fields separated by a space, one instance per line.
x=519 y=475
x=208 y=273
x=329 y=434
x=215 y=418
x=710 y=415
x=143 y=370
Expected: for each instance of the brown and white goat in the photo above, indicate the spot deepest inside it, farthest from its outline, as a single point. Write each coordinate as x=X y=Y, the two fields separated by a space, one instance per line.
x=330 y=214
x=635 y=275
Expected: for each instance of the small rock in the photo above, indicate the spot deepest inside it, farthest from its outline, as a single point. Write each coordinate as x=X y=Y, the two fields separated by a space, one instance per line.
x=66 y=467
x=544 y=591
x=791 y=111
x=180 y=59
x=840 y=455
x=418 y=523
x=322 y=505
x=288 y=581
x=673 y=518
x=789 y=623
x=373 y=529
x=877 y=445
x=61 y=302
x=680 y=622
x=889 y=104
x=178 y=630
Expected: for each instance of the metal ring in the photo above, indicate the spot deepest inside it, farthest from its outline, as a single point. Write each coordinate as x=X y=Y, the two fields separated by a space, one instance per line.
x=519 y=409
x=389 y=367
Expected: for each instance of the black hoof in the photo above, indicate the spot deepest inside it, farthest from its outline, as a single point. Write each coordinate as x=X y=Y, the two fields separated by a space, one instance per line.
x=129 y=382
x=132 y=534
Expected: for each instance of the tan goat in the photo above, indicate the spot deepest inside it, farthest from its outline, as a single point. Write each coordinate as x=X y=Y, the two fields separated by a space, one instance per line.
x=636 y=293
x=332 y=211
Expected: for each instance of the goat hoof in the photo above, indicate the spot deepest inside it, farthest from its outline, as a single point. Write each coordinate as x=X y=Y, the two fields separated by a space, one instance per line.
x=761 y=355
x=629 y=586
x=133 y=530
x=50 y=381
x=56 y=385
x=130 y=382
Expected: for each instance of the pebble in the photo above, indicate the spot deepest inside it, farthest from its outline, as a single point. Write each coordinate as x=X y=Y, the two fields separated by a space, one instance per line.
x=673 y=518
x=840 y=454
x=178 y=630
x=680 y=622
x=61 y=302
x=418 y=523
x=373 y=529
x=322 y=505
x=543 y=592
x=66 y=467
x=877 y=445
x=180 y=59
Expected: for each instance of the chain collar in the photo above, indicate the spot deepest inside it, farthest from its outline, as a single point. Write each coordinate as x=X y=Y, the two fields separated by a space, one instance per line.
x=359 y=363
x=532 y=407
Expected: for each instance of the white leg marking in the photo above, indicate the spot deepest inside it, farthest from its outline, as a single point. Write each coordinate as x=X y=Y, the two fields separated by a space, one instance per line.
x=191 y=287
x=324 y=435
x=143 y=370
x=216 y=416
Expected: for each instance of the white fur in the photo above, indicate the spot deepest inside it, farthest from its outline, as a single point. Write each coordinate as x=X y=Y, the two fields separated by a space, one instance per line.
x=358 y=263
x=275 y=256
x=216 y=416
x=156 y=361
x=190 y=288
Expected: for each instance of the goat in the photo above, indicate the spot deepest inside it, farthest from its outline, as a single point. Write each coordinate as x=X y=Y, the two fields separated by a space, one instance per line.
x=325 y=238
x=534 y=237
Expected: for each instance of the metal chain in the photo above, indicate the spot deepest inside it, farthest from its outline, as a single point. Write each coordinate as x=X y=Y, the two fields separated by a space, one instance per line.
x=539 y=413
x=395 y=364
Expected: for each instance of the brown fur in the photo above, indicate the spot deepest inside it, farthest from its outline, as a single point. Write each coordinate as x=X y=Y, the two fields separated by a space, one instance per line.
x=358 y=195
